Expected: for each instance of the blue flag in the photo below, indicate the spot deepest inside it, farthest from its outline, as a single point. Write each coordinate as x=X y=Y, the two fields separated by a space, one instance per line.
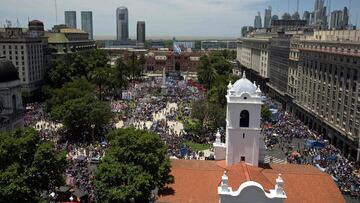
x=176 y=49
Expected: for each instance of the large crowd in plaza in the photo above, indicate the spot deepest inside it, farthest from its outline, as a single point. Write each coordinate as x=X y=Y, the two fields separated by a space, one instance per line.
x=142 y=107
x=145 y=107
x=292 y=137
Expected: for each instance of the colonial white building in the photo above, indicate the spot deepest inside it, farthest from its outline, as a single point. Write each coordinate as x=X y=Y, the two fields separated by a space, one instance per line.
x=11 y=109
x=243 y=142
x=236 y=176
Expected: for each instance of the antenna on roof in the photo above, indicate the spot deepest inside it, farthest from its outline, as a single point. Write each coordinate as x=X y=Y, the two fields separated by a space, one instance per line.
x=17 y=22
x=297 y=6
x=350 y=12
x=56 y=16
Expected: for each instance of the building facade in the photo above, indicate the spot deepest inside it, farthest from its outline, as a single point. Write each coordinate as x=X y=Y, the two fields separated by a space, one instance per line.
x=70 y=19
x=65 y=42
x=279 y=51
x=218 y=45
x=27 y=50
x=287 y=25
x=122 y=24
x=329 y=97
x=87 y=23
x=186 y=61
x=141 y=32
x=253 y=57
x=293 y=74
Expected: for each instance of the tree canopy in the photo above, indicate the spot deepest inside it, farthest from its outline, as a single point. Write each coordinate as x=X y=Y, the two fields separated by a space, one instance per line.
x=135 y=164
x=76 y=106
x=215 y=72
x=28 y=167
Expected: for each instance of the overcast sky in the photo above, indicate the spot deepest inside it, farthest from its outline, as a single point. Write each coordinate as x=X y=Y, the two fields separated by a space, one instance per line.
x=162 y=17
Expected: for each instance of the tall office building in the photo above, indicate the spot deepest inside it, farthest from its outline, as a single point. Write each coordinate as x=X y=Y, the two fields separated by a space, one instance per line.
x=336 y=20
x=70 y=19
x=87 y=23
x=140 y=32
x=320 y=18
x=267 y=18
x=257 y=21
x=339 y=19
x=307 y=17
x=345 y=18
x=122 y=23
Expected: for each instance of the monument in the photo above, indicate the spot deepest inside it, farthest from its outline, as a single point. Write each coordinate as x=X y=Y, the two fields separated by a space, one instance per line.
x=163 y=86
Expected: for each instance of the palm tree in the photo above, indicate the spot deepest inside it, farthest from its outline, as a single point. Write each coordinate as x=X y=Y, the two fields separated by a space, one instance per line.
x=121 y=75
x=142 y=62
x=207 y=75
x=100 y=76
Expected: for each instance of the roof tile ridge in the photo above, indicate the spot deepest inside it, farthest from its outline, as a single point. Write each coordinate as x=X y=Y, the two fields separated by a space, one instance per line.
x=262 y=173
x=246 y=171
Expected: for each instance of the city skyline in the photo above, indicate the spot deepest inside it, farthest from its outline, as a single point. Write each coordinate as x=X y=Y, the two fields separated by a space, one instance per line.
x=203 y=17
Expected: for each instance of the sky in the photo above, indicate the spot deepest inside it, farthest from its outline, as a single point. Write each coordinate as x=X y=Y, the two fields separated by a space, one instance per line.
x=222 y=18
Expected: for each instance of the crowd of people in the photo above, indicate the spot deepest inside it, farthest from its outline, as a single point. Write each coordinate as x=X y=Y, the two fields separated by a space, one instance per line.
x=144 y=106
x=160 y=113
x=292 y=137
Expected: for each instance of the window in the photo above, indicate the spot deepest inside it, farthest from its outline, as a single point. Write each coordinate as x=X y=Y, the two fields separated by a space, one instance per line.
x=244 y=119
x=14 y=102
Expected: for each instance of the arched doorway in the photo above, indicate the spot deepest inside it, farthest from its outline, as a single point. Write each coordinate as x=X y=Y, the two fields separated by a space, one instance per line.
x=177 y=66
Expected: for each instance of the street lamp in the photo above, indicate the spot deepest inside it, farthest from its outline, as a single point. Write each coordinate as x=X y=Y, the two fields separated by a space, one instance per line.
x=92 y=132
x=71 y=198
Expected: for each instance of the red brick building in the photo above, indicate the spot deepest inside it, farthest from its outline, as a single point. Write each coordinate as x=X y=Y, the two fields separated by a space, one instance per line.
x=186 y=61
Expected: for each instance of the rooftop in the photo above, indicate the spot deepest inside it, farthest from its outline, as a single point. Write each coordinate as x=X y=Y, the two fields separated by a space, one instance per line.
x=71 y=30
x=197 y=181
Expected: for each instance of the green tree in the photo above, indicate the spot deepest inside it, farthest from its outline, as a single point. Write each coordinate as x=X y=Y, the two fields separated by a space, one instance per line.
x=265 y=113
x=79 y=67
x=28 y=167
x=199 y=111
x=120 y=75
x=82 y=117
x=193 y=126
x=135 y=164
x=142 y=61
x=206 y=75
x=100 y=77
x=98 y=58
x=58 y=74
x=71 y=90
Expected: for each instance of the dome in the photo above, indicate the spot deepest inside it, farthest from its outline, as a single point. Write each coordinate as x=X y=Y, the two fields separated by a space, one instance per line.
x=36 y=23
x=8 y=72
x=244 y=85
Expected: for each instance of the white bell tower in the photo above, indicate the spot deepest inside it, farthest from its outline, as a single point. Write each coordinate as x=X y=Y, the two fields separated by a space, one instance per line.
x=243 y=141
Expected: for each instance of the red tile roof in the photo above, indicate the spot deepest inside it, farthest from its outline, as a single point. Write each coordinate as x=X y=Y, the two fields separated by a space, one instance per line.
x=197 y=182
